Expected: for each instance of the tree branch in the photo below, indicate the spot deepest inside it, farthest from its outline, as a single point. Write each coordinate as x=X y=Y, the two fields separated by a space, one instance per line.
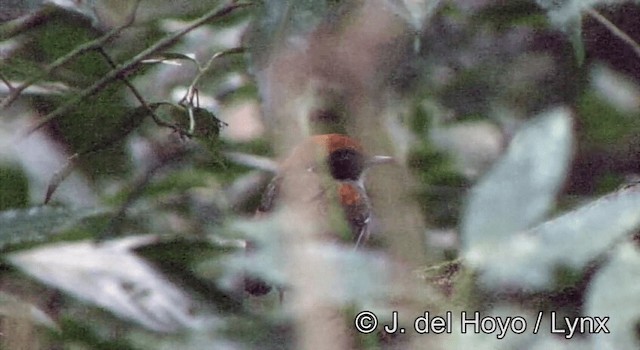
x=123 y=68
x=92 y=45
x=615 y=30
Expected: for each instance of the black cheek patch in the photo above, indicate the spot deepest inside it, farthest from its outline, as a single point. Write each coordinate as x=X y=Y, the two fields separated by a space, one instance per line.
x=346 y=164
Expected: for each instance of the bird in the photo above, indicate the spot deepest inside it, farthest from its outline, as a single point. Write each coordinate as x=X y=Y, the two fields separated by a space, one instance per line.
x=322 y=171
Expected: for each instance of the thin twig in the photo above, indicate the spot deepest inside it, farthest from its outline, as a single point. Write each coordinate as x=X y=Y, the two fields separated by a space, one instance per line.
x=92 y=45
x=6 y=82
x=615 y=30
x=203 y=70
x=137 y=94
x=123 y=68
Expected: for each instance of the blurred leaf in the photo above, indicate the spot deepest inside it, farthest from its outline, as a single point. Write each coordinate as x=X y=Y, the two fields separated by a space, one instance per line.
x=60 y=34
x=88 y=334
x=615 y=293
x=276 y=20
x=253 y=332
x=529 y=259
x=564 y=12
x=37 y=223
x=208 y=339
x=526 y=340
x=414 y=12
x=12 y=307
x=521 y=188
x=269 y=261
x=179 y=257
x=603 y=125
x=105 y=139
x=14 y=188
x=83 y=7
x=11 y=9
x=262 y=332
x=575 y=36
x=98 y=123
x=112 y=134
x=566 y=15
x=622 y=92
x=20 y=69
x=111 y=276
x=206 y=125
x=364 y=277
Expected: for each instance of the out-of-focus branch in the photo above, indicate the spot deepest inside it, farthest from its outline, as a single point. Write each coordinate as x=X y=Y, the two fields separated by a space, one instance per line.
x=92 y=45
x=127 y=66
x=24 y=23
x=615 y=30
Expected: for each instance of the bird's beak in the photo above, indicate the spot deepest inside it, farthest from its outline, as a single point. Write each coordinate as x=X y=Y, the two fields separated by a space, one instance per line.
x=376 y=160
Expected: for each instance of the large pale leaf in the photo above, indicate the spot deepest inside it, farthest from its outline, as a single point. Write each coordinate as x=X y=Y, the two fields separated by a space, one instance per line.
x=521 y=188
x=566 y=15
x=615 y=293
x=529 y=259
x=364 y=277
x=111 y=276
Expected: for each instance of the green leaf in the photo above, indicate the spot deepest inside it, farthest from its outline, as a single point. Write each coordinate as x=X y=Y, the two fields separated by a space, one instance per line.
x=615 y=293
x=575 y=36
x=88 y=334
x=521 y=188
x=111 y=134
x=207 y=125
x=106 y=138
x=253 y=332
x=85 y=8
x=14 y=188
